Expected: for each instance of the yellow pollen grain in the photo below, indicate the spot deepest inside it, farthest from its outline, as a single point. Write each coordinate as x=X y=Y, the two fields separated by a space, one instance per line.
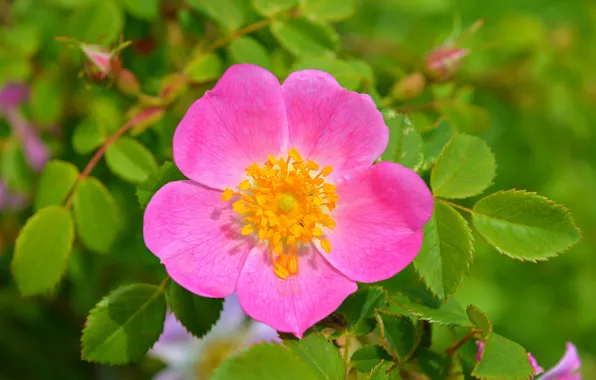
x=286 y=206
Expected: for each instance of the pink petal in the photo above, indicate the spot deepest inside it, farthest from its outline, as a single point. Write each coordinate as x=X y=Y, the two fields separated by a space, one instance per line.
x=568 y=368
x=196 y=236
x=537 y=368
x=380 y=214
x=240 y=121
x=294 y=304
x=331 y=125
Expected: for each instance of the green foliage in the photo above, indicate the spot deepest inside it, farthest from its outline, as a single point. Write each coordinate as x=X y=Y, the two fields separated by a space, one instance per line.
x=167 y=172
x=97 y=19
x=273 y=7
x=306 y=38
x=405 y=143
x=330 y=10
x=346 y=74
x=359 y=309
x=226 y=13
x=56 y=182
x=130 y=160
x=524 y=225
x=399 y=335
x=42 y=249
x=265 y=361
x=204 y=68
x=320 y=355
x=503 y=359
x=447 y=251
x=88 y=136
x=146 y=9
x=465 y=168
x=448 y=313
x=366 y=358
x=197 y=314
x=480 y=319
x=96 y=215
x=46 y=100
x=124 y=325
x=249 y=50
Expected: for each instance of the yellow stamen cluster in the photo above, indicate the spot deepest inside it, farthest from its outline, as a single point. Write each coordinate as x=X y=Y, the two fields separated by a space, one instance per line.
x=285 y=202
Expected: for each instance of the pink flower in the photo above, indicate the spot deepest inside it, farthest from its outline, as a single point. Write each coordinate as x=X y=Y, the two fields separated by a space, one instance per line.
x=284 y=205
x=567 y=368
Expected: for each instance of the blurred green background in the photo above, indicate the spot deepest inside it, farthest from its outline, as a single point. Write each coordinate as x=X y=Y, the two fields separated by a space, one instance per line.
x=529 y=87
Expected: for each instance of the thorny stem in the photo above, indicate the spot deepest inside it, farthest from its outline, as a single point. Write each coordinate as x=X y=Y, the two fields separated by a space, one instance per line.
x=456 y=346
x=239 y=33
x=455 y=205
x=97 y=156
x=347 y=355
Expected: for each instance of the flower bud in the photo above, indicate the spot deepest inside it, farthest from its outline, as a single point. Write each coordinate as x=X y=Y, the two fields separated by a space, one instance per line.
x=409 y=87
x=444 y=61
x=172 y=86
x=143 y=118
x=101 y=62
x=127 y=82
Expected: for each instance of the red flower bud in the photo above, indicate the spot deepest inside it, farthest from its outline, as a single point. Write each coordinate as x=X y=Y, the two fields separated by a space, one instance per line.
x=444 y=61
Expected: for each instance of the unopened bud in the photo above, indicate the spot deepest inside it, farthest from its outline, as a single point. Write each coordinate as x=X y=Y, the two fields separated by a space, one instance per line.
x=127 y=82
x=443 y=62
x=98 y=63
x=409 y=87
x=172 y=86
x=144 y=118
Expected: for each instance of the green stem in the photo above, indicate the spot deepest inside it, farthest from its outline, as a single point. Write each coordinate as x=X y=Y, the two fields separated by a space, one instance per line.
x=468 y=210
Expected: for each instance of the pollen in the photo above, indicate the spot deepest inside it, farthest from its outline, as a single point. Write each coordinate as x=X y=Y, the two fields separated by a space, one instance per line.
x=285 y=202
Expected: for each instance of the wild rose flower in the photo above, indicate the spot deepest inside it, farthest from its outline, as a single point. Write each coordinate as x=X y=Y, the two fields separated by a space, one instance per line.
x=284 y=205
x=566 y=369
x=188 y=357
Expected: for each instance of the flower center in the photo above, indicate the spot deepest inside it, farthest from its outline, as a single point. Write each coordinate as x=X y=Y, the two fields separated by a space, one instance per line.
x=285 y=202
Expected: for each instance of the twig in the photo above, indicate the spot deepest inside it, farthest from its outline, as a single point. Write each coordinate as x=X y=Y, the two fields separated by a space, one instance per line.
x=450 y=350
x=455 y=205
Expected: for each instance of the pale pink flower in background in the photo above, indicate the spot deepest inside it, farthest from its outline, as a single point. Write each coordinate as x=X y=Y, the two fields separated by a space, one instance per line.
x=568 y=368
x=284 y=205
x=189 y=358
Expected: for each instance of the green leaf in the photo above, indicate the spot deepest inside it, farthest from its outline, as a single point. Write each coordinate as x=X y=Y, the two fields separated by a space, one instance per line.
x=130 y=160
x=99 y=20
x=447 y=251
x=465 y=117
x=42 y=249
x=96 y=215
x=359 y=309
x=124 y=325
x=380 y=371
x=345 y=74
x=56 y=182
x=429 y=309
x=167 y=172
x=503 y=359
x=21 y=39
x=227 y=13
x=144 y=9
x=248 y=50
x=264 y=361
x=197 y=314
x=405 y=143
x=204 y=68
x=270 y=8
x=87 y=136
x=399 y=335
x=46 y=100
x=330 y=10
x=366 y=358
x=306 y=38
x=106 y=113
x=14 y=169
x=465 y=168
x=320 y=355
x=479 y=319
x=525 y=226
